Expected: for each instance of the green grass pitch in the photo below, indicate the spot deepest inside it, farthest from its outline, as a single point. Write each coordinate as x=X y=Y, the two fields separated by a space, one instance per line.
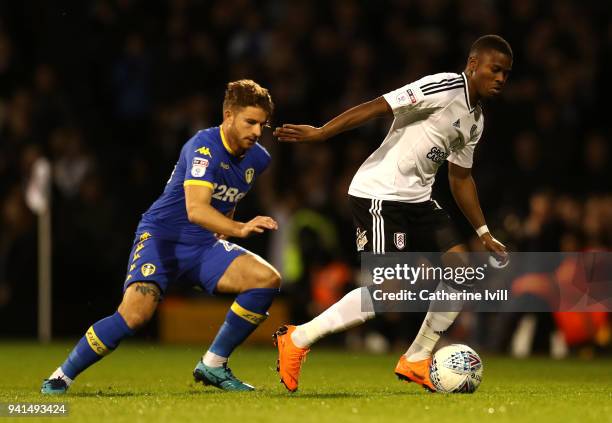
x=153 y=383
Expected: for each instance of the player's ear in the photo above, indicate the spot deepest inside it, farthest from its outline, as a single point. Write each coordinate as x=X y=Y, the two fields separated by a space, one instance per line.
x=472 y=64
x=228 y=115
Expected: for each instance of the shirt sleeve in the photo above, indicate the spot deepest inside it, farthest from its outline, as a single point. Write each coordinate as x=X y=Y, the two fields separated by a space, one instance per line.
x=464 y=157
x=426 y=94
x=201 y=166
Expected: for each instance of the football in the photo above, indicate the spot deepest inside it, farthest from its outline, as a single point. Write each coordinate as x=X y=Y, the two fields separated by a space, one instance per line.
x=456 y=369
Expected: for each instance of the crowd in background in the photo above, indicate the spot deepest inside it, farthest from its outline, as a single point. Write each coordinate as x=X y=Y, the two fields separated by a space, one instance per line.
x=109 y=90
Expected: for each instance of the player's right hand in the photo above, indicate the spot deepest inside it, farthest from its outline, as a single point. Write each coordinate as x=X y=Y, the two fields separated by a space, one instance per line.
x=257 y=225
x=298 y=133
x=495 y=247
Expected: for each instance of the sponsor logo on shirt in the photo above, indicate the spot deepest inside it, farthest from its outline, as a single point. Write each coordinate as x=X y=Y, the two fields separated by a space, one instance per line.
x=436 y=155
x=225 y=193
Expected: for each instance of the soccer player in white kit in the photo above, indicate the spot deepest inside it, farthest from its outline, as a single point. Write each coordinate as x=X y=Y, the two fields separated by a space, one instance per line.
x=436 y=118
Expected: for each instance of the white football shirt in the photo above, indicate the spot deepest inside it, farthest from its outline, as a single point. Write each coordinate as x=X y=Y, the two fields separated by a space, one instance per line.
x=433 y=121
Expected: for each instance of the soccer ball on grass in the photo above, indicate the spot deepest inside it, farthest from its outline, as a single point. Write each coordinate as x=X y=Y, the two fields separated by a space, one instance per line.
x=456 y=369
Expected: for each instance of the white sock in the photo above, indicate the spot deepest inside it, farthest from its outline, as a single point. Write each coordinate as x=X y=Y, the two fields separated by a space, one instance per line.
x=213 y=360
x=60 y=373
x=343 y=315
x=435 y=323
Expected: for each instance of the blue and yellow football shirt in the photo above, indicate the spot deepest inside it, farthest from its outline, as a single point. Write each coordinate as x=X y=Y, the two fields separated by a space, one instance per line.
x=207 y=160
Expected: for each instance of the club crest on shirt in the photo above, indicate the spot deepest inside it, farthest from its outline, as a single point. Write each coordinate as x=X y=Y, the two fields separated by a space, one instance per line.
x=399 y=239
x=473 y=133
x=361 y=238
x=198 y=167
x=249 y=174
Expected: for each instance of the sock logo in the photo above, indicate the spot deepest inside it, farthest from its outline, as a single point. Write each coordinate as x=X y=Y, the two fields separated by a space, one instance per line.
x=249 y=316
x=95 y=343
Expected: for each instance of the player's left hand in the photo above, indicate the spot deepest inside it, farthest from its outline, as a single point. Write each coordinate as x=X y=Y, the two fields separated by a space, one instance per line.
x=498 y=249
x=299 y=133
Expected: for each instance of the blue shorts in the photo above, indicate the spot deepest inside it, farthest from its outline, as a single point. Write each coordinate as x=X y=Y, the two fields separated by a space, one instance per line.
x=164 y=262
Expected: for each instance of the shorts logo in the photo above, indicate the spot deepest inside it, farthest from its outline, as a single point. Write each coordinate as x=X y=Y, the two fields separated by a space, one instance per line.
x=224 y=166
x=399 y=239
x=198 y=167
x=362 y=239
x=249 y=174
x=147 y=269
x=411 y=95
x=205 y=151
x=227 y=245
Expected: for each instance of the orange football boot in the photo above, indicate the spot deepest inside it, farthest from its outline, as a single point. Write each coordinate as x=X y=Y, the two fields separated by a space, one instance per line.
x=415 y=371
x=290 y=357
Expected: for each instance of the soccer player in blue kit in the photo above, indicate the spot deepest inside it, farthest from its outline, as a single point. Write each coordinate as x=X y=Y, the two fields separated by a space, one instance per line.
x=181 y=240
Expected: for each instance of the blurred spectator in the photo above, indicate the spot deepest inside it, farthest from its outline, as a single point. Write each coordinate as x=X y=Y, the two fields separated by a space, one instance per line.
x=138 y=79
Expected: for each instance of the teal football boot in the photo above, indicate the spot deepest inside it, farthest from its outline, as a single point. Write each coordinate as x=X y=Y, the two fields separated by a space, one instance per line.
x=219 y=377
x=55 y=386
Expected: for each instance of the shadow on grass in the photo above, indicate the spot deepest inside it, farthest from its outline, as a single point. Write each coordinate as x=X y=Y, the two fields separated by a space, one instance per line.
x=127 y=394
x=333 y=395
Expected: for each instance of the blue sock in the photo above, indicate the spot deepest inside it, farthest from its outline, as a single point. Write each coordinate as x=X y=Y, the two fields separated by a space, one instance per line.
x=248 y=310
x=99 y=340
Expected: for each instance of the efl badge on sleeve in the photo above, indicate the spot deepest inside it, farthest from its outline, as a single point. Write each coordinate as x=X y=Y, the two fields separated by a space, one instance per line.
x=399 y=239
x=147 y=269
x=198 y=167
x=411 y=95
x=249 y=174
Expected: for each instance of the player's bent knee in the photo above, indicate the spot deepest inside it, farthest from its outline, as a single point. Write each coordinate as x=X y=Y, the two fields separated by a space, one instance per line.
x=266 y=277
x=135 y=319
x=139 y=303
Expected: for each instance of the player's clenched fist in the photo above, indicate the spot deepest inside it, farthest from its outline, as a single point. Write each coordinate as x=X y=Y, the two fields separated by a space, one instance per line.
x=257 y=225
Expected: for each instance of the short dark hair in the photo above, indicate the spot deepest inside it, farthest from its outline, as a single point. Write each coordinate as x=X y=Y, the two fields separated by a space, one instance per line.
x=244 y=93
x=492 y=42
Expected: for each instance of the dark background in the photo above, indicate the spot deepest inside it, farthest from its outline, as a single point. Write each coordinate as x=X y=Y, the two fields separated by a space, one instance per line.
x=109 y=91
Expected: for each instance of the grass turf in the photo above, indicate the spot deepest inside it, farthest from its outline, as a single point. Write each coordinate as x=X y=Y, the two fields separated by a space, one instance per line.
x=153 y=383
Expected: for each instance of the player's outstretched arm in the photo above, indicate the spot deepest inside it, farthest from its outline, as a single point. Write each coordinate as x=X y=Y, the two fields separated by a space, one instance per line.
x=201 y=212
x=464 y=192
x=350 y=119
